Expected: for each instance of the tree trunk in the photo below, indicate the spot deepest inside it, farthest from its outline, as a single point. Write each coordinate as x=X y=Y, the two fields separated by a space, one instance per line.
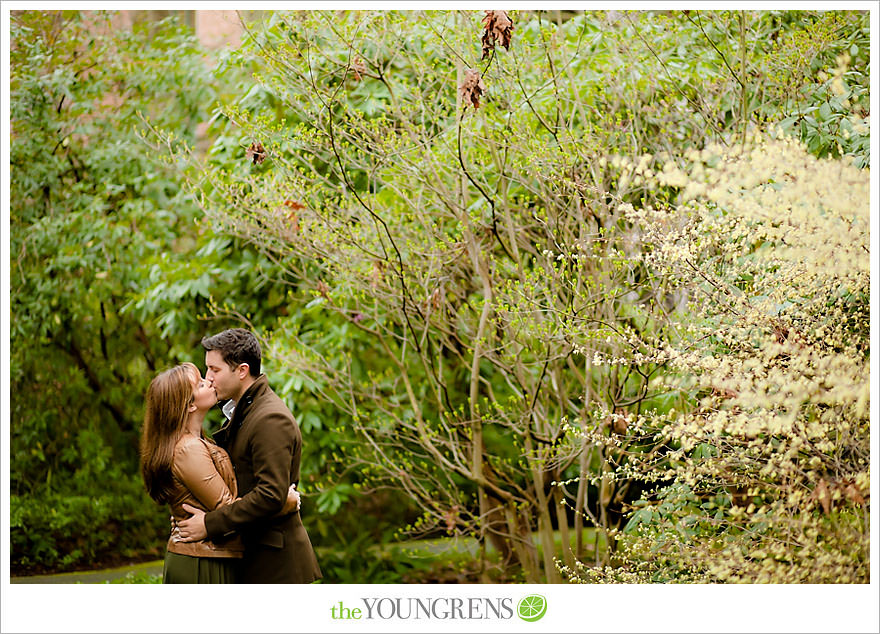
x=562 y=521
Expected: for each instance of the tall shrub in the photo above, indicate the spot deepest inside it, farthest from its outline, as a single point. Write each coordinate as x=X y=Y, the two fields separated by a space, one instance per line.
x=765 y=474
x=90 y=208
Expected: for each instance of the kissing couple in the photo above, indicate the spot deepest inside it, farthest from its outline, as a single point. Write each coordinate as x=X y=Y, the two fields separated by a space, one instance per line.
x=233 y=498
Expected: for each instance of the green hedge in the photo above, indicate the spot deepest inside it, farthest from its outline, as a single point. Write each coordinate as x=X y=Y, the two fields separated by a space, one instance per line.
x=61 y=532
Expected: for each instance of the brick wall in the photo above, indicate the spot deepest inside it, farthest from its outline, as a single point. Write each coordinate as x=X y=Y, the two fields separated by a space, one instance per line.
x=216 y=29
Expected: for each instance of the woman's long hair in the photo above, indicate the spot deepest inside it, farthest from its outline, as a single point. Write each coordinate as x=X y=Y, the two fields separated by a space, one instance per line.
x=168 y=398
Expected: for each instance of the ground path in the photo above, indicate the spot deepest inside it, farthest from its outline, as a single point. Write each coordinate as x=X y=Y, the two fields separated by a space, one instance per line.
x=94 y=576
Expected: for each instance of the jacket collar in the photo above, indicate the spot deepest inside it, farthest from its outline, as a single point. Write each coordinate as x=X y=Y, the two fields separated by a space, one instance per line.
x=225 y=435
x=247 y=399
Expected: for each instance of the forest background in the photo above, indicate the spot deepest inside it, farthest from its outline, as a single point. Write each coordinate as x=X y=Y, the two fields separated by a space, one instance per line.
x=585 y=294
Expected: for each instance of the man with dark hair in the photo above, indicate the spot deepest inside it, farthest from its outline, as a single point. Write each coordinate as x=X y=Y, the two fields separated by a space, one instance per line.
x=265 y=446
x=236 y=346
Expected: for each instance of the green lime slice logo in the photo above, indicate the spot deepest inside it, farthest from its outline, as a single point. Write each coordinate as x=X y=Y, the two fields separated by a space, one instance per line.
x=532 y=607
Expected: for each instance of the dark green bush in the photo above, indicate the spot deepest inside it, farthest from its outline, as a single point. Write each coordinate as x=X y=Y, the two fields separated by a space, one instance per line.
x=63 y=531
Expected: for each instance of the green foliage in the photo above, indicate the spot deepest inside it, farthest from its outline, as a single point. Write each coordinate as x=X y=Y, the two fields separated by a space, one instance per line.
x=430 y=315
x=814 y=77
x=453 y=301
x=89 y=207
x=113 y=271
x=58 y=531
x=361 y=560
x=462 y=282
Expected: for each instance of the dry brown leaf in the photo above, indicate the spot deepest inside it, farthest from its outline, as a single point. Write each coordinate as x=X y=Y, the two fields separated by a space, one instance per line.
x=723 y=392
x=852 y=493
x=823 y=495
x=498 y=28
x=288 y=210
x=323 y=289
x=376 y=274
x=293 y=220
x=359 y=68
x=256 y=153
x=472 y=88
x=449 y=518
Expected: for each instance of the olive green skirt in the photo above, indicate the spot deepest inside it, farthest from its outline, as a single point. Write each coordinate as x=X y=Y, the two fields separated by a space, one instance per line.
x=186 y=569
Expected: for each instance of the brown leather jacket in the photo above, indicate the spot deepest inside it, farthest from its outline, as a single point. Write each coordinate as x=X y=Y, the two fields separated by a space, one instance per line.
x=204 y=478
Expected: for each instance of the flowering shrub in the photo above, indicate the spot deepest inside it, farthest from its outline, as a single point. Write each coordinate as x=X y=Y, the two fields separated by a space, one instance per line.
x=765 y=476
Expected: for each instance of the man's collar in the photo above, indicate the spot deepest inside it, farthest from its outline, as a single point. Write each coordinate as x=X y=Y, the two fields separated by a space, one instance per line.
x=251 y=391
x=248 y=397
x=228 y=409
x=248 y=388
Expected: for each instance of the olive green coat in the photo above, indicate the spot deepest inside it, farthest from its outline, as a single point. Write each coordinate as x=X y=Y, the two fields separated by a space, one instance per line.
x=265 y=446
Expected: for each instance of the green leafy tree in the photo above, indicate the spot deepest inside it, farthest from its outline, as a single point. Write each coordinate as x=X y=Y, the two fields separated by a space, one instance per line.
x=421 y=236
x=442 y=193
x=90 y=206
x=444 y=263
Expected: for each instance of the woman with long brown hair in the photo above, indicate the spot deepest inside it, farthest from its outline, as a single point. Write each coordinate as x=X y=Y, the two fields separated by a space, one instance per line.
x=180 y=465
